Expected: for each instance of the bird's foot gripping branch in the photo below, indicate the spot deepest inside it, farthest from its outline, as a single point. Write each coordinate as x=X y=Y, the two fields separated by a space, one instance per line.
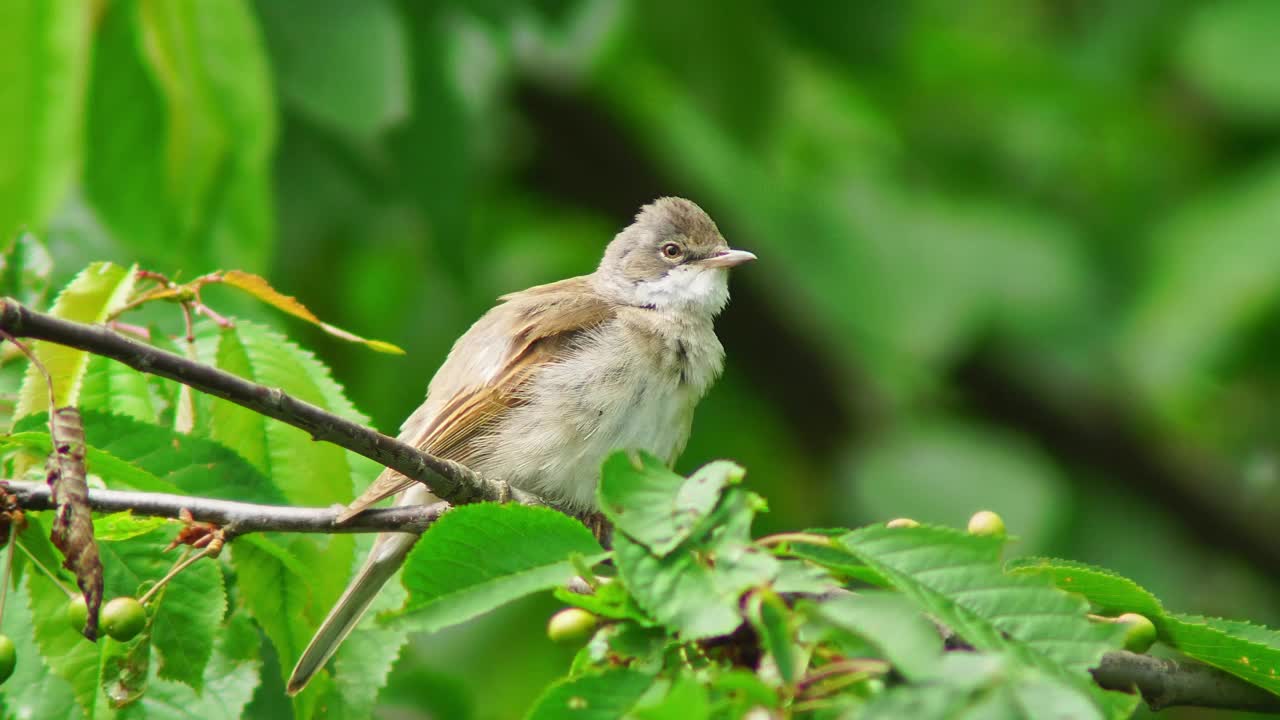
x=688 y=615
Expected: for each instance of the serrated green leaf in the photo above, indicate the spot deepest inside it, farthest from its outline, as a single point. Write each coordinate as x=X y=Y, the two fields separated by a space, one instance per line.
x=277 y=586
x=695 y=589
x=124 y=526
x=957 y=578
x=891 y=624
x=44 y=48
x=1110 y=592
x=983 y=687
x=687 y=699
x=837 y=560
x=307 y=472
x=232 y=676
x=115 y=472
x=33 y=691
x=604 y=696
x=89 y=298
x=479 y=557
x=185 y=615
x=110 y=387
x=655 y=506
x=193 y=465
x=66 y=652
x=1247 y=651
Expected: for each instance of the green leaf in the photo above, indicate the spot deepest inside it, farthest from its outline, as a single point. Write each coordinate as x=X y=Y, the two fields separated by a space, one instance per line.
x=343 y=66
x=687 y=699
x=890 y=623
x=126 y=667
x=277 y=586
x=193 y=465
x=610 y=600
x=695 y=589
x=605 y=696
x=180 y=133
x=233 y=673
x=66 y=652
x=185 y=616
x=983 y=687
x=957 y=578
x=1112 y=594
x=124 y=526
x=738 y=691
x=772 y=621
x=126 y=453
x=110 y=387
x=41 y=694
x=115 y=472
x=308 y=472
x=44 y=48
x=655 y=506
x=1247 y=651
x=26 y=268
x=800 y=576
x=839 y=561
x=1216 y=275
x=480 y=557
x=1228 y=52
x=90 y=297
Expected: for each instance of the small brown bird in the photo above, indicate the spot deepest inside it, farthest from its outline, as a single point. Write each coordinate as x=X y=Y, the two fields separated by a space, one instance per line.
x=554 y=378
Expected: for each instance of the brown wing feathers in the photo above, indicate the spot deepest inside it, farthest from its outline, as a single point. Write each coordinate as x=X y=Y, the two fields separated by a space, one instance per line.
x=538 y=337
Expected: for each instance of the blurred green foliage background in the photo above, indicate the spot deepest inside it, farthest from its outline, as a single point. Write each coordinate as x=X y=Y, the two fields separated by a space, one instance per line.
x=1014 y=254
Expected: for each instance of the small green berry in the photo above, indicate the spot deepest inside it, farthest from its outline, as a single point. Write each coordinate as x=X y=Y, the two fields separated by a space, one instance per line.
x=985 y=522
x=1139 y=632
x=902 y=523
x=123 y=618
x=77 y=613
x=571 y=626
x=8 y=657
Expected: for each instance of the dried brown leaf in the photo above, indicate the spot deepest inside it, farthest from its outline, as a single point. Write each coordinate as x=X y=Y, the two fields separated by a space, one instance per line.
x=72 y=530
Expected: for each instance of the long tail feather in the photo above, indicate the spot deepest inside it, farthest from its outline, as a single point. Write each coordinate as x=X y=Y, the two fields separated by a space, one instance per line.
x=388 y=554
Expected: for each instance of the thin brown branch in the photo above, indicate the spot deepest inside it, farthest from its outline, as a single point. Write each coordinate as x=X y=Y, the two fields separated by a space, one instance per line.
x=448 y=480
x=240 y=517
x=1166 y=682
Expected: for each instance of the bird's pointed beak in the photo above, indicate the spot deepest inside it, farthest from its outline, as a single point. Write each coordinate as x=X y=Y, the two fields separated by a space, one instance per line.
x=727 y=259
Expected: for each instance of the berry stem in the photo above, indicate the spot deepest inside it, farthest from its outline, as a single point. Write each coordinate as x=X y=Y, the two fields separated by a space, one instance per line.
x=70 y=593
x=182 y=564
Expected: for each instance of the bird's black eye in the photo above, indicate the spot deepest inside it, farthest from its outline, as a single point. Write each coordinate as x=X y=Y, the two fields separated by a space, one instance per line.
x=671 y=250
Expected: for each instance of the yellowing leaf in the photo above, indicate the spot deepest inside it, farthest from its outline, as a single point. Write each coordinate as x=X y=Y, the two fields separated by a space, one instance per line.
x=91 y=297
x=257 y=286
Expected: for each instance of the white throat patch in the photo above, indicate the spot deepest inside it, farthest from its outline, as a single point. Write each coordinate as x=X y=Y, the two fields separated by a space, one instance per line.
x=687 y=287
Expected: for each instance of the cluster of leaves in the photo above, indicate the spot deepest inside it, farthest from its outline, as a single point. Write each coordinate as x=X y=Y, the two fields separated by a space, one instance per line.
x=217 y=634
x=697 y=620
x=687 y=616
